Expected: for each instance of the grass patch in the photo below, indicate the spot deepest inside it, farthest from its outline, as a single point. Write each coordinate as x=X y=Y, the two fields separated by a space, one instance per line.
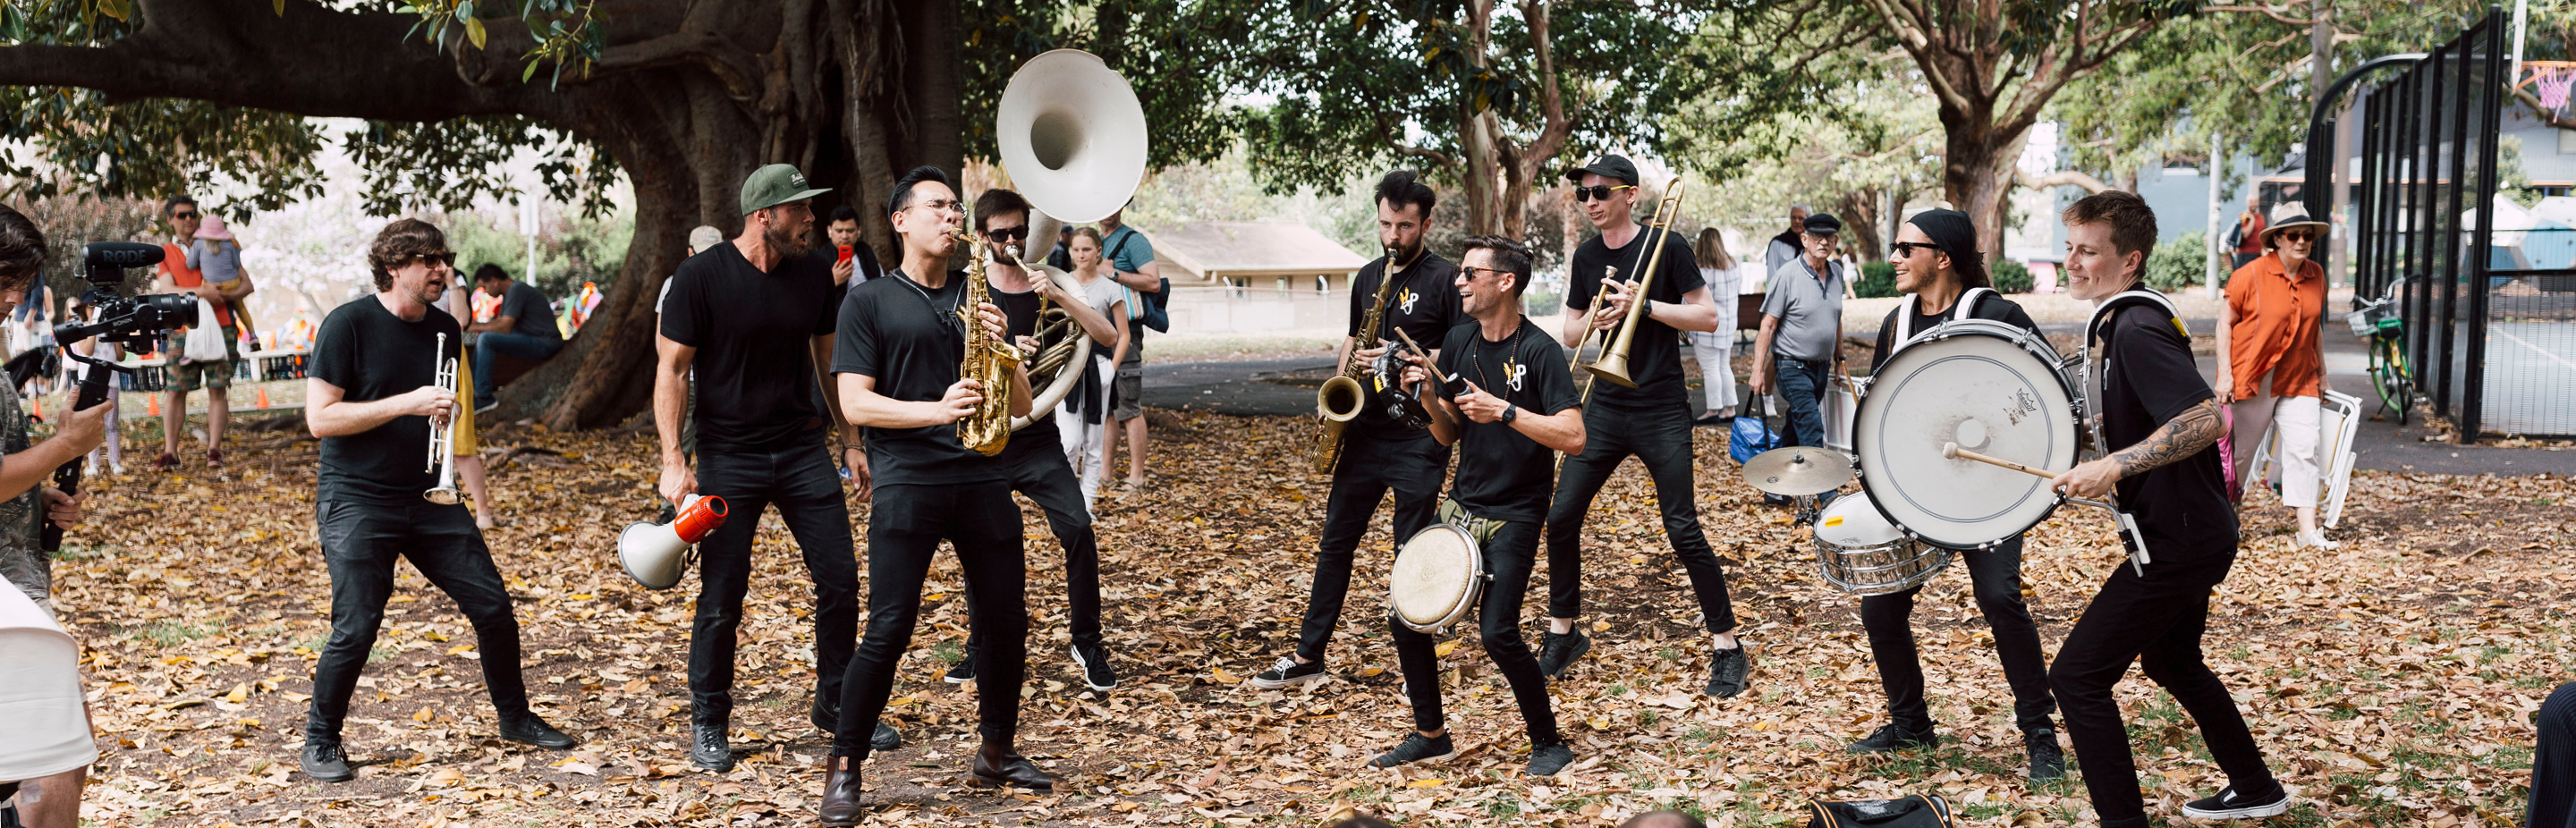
x=173 y=633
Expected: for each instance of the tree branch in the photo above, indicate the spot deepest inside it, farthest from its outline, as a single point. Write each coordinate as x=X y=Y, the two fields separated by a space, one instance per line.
x=2042 y=182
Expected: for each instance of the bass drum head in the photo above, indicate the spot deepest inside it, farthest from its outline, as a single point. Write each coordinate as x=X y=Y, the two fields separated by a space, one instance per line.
x=1435 y=578
x=1852 y=523
x=1978 y=384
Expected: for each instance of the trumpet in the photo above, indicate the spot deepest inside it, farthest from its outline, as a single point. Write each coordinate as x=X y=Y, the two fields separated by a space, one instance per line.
x=1613 y=364
x=442 y=438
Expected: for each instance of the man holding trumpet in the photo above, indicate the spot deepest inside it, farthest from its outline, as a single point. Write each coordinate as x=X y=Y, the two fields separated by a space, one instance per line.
x=1650 y=420
x=373 y=401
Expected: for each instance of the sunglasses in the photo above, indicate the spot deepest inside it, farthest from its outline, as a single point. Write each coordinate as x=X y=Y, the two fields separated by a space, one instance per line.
x=1472 y=271
x=184 y=215
x=1906 y=249
x=446 y=259
x=1600 y=192
x=2298 y=235
x=1008 y=234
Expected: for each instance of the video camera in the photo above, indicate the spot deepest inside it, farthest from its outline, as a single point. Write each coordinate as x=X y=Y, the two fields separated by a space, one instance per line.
x=136 y=322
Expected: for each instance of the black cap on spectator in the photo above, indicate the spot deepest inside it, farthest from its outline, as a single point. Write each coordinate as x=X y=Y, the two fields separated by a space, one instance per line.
x=1607 y=166
x=1823 y=224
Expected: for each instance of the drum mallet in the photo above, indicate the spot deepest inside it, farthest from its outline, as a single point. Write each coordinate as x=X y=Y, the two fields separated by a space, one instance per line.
x=2130 y=536
x=1952 y=451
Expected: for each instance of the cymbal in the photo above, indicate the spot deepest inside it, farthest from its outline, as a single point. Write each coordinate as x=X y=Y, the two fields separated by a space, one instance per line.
x=1798 y=470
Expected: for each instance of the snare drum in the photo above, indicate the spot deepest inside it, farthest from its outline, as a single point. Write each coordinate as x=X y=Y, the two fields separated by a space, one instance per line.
x=1992 y=388
x=1861 y=553
x=1438 y=577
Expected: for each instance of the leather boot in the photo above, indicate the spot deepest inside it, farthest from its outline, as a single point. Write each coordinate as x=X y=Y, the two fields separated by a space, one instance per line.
x=841 y=791
x=998 y=766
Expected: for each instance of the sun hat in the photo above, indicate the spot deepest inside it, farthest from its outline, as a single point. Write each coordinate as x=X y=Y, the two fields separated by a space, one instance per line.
x=2291 y=214
x=213 y=228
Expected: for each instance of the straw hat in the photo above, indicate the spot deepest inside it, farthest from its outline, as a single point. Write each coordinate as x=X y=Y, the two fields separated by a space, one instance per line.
x=2291 y=214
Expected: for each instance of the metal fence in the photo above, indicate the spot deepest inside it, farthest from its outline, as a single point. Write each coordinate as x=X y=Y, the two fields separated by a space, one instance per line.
x=2490 y=343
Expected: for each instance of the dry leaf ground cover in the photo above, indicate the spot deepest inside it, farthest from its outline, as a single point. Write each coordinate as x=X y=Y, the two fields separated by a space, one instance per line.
x=2392 y=681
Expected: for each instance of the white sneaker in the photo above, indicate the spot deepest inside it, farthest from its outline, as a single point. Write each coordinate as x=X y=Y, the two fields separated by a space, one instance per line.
x=2317 y=539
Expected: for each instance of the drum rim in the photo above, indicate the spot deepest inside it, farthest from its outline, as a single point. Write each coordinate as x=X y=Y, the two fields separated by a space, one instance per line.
x=1466 y=598
x=2021 y=338
x=1949 y=557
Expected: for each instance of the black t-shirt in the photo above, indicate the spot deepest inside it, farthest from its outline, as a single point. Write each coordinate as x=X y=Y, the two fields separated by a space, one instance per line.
x=908 y=337
x=1423 y=303
x=1041 y=434
x=372 y=354
x=1654 y=354
x=753 y=332
x=1993 y=307
x=2182 y=506
x=535 y=316
x=1502 y=473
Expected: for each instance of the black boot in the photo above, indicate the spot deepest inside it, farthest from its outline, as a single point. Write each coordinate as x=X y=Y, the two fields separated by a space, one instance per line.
x=707 y=746
x=527 y=729
x=997 y=767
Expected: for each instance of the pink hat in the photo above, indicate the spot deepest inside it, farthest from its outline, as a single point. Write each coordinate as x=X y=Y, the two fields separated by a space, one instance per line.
x=213 y=228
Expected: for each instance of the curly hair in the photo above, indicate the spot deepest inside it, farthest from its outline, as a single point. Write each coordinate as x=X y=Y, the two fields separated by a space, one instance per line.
x=22 y=250
x=398 y=244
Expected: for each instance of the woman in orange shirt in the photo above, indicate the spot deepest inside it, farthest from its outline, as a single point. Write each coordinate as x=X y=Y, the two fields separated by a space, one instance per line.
x=2272 y=344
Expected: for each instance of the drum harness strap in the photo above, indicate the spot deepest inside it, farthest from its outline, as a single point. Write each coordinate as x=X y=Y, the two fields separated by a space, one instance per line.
x=1960 y=311
x=2097 y=366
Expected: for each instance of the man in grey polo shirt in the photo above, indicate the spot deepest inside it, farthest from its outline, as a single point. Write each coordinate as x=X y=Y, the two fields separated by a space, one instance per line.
x=1802 y=331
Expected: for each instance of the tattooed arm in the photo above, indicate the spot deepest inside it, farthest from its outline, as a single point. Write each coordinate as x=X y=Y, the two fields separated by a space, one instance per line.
x=2183 y=436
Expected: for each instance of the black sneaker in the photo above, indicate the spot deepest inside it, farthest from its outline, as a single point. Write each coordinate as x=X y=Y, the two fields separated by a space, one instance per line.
x=1890 y=738
x=530 y=730
x=2047 y=760
x=1550 y=760
x=1778 y=500
x=1728 y=672
x=1557 y=651
x=2229 y=804
x=487 y=406
x=1417 y=748
x=326 y=763
x=1286 y=671
x=707 y=747
x=886 y=738
x=961 y=672
x=1094 y=667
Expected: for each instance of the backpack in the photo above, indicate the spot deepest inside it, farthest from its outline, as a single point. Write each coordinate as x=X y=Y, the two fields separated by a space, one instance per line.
x=1153 y=310
x=1916 y=811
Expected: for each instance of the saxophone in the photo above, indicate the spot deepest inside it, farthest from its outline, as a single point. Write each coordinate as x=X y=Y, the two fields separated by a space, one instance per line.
x=988 y=362
x=1342 y=397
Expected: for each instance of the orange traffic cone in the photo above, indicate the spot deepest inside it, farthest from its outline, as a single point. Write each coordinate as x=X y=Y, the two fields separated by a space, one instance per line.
x=154 y=404
x=263 y=396
x=40 y=408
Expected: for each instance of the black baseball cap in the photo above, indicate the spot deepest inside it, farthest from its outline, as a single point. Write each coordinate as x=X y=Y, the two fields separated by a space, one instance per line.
x=1823 y=224
x=1607 y=166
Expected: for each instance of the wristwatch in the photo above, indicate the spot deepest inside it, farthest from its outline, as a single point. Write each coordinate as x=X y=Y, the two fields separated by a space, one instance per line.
x=1510 y=411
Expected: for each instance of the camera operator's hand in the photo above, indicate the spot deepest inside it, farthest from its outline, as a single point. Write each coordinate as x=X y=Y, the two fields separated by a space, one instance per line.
x=426 y=401
x=64 y=510
x=84 y=429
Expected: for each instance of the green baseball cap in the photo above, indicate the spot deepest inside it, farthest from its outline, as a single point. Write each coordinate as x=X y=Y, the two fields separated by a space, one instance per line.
x=774 y=185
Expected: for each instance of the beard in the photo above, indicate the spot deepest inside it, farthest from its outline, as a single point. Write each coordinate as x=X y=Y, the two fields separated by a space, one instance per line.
x=785 y=241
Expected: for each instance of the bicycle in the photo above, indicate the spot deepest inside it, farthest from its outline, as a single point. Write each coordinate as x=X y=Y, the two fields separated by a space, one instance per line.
x=2377 y=321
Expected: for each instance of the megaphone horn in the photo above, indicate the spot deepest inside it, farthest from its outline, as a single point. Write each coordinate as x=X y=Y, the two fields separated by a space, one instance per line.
x=657 y=554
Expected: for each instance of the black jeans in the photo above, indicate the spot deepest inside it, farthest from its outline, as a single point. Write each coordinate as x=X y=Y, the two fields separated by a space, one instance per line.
x=801 y=482
x=906 y=522
x=1406 y=461
x=359 y=543
x=2156 y=620
x=1048 y=482
x=1996 y=574
x=1660 y=438
x=1802 y=385
x=2553 y=763
x=1509 y=557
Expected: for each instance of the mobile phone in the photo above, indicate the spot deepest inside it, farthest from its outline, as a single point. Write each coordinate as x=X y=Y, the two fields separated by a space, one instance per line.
x=845 y=253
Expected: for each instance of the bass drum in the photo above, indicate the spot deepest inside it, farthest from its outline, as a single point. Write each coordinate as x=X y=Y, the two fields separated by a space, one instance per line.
x=1992 y=388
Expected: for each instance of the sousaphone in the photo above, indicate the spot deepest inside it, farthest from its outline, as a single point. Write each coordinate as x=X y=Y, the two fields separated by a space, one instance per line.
x=1072 y=136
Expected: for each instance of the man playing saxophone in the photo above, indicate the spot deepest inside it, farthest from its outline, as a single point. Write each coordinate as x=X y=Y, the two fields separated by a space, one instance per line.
x=902 y=361
x=1377 y=453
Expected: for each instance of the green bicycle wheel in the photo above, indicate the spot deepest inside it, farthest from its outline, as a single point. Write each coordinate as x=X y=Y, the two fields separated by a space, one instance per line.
x=2388 y=376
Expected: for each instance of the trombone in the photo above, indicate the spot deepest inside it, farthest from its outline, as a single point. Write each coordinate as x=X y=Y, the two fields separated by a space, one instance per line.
x=442 y=438
x=1613 y=364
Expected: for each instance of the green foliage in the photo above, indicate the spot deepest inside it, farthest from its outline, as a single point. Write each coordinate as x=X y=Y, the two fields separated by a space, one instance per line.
x=72 y=221
x=1877 y=280
x=570 y=251
x=2179 y=263
x=2011 y=277
x=1170 y=51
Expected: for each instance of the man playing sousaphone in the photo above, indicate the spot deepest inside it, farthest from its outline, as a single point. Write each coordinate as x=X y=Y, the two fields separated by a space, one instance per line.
x=1944 y=278
x=1518 y=408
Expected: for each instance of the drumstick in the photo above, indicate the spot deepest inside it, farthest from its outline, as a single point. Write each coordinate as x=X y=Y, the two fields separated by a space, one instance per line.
x=1954 y=452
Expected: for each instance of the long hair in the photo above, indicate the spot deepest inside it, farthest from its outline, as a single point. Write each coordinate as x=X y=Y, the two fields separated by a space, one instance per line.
x=1710 y=250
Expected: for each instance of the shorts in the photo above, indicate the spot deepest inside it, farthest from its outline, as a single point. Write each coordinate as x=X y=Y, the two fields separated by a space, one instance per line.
x=1127 y=393
x=190 y=376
